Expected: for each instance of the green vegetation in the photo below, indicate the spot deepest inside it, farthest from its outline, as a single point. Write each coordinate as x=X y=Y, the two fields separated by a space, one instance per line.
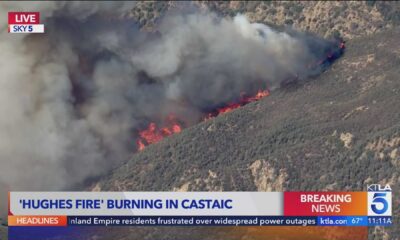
x=298 y=131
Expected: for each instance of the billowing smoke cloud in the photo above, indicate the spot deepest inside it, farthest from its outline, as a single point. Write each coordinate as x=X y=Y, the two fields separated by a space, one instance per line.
x=73 y=99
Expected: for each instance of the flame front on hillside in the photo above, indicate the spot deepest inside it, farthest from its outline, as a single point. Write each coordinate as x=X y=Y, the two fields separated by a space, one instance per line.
x=153 y=133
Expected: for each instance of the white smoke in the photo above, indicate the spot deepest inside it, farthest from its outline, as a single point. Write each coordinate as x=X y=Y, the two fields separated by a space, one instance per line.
x=72 y=99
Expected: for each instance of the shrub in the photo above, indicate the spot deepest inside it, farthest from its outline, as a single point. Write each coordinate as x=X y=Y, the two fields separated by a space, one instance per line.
x=289 y=22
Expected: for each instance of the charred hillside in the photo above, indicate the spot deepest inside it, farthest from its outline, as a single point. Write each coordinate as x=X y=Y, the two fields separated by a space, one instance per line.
x=338 y=131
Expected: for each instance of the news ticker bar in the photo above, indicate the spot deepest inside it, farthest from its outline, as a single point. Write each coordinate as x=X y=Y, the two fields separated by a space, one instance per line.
x=324 y=208
x=109 y=221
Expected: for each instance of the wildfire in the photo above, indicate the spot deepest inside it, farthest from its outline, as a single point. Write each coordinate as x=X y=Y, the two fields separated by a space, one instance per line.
x=153 y=133
x=243 y=101
x=330 y=56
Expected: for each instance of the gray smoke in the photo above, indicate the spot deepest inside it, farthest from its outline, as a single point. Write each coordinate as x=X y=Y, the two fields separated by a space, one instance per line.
x=73 y=99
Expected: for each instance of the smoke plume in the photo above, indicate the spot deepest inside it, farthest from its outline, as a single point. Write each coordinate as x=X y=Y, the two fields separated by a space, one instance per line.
x=73 y=99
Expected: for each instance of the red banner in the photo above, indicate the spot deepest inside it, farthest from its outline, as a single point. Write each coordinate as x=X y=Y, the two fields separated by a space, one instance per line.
x=23 y=18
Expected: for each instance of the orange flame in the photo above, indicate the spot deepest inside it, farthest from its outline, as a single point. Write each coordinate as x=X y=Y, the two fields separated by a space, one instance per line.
x=243 y=101
x=140 y=144
x=153 y=134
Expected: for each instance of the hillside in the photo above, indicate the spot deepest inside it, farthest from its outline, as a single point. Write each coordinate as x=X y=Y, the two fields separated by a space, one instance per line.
x=326 y=18
x=339 y=131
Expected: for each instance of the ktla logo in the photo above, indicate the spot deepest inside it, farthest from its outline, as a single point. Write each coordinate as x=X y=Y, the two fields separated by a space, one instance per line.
x=379 y=200
x=24 y=22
